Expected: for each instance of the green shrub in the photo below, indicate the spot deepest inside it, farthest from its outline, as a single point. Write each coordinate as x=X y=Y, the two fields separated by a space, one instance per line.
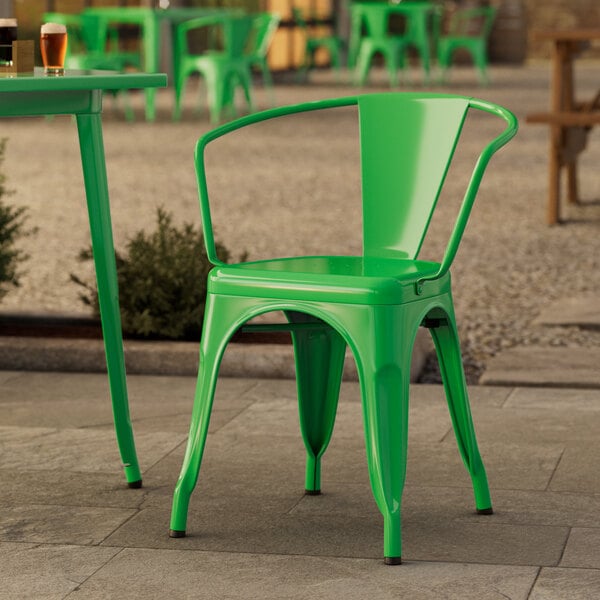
x=12 y=226
x=162 y=281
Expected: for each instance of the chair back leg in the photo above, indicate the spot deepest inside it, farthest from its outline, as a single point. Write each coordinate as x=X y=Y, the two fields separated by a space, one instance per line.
x=319 y=356
x=445 y=338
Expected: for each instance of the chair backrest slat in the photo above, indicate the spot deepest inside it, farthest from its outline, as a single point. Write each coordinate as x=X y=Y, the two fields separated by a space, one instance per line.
x=237 y=32
x=407 y=143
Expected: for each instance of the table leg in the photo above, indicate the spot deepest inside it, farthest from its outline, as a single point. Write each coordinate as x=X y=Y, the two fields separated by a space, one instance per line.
x=94 y=173
x=151 y=44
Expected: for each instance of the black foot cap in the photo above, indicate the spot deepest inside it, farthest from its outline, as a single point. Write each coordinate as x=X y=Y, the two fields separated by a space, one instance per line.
x=393 y=560
x=175 y=533
x=485 y=511
x=312 y=492
x=135 y=485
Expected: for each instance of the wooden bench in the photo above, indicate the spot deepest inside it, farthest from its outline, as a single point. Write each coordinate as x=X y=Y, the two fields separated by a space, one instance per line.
x=569 y=121
x=569 y=134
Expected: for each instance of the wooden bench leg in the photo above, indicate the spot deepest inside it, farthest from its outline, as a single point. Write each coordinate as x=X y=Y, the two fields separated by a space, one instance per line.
x=552 y=214
x=572 y=193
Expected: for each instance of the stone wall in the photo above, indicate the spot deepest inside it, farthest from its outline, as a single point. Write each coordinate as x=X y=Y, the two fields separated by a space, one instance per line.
x=512 y=39
x=560 y=14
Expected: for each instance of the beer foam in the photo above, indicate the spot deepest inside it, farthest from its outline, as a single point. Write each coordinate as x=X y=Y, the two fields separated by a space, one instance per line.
x=8 y=22
x=54 y=28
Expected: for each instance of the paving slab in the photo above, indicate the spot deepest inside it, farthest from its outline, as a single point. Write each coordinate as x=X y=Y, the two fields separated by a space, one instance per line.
x=47 y=572
x=560 y=399
x=481 y=540
x=572 y=367
x=578 y=470
x=583 y=548
x=579 y=310
x=538 y=425
x=209 y=575
x=67 y=488
x=52 y=524
x=162 y=405
x=512 y=465
x=557 y=584
x=87 y=450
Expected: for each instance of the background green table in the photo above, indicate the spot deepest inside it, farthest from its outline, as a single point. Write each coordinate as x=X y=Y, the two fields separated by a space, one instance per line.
x=416 y=34
x=80 y=94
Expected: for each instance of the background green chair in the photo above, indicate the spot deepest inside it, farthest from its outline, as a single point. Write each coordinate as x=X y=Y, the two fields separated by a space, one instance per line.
x=223 y=67
x=332 y=43
x=469 y=29
x=374 y=303
x=376 y=40
x=419 y=18
x=264 y=26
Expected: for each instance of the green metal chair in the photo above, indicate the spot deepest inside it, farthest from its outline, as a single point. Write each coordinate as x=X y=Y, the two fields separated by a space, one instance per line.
x=264 y=26
x=332 y=43
x=374 y=303
x=374 y=17
x=222 y=69
x=469 y=29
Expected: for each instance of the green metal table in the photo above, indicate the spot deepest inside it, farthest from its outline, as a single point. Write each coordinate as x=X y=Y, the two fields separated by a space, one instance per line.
x=80 y=94
x=149 y=20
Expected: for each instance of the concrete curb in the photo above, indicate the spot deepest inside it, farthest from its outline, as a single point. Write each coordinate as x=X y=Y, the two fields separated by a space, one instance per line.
x=168 y=358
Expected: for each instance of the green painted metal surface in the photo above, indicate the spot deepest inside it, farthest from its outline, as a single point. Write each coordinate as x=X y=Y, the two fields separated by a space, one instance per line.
x=81 y=95
x=373 y=304
x=221 y=69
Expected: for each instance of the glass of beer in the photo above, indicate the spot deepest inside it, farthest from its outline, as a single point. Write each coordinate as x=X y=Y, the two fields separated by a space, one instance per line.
x=8 y=34
x=53 y=44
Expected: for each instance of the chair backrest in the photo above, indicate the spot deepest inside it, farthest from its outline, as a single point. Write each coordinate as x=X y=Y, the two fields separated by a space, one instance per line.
x=407 y=141
x=403 y=165
x=264 y=26
x=235 y=29
x=472 y=22
x=375 y=18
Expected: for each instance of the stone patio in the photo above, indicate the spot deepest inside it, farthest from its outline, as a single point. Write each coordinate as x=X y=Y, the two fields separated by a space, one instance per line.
x=70 y=528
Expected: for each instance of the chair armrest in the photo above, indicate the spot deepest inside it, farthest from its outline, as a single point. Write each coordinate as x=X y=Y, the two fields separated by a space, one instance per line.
x=218 y=132
x=476 y=177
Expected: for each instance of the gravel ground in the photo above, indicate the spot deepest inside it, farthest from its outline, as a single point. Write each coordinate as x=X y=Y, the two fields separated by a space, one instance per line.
x=271 y=187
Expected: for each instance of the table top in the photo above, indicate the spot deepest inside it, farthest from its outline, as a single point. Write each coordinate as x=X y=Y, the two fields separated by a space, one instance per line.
x=137 y=14
x=79 y=80
x=567 y=35
x=395 y=6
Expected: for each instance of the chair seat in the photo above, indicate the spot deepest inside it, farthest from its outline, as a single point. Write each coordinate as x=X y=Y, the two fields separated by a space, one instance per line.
x=349 y=279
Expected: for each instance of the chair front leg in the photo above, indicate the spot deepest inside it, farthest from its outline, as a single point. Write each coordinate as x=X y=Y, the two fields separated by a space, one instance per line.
x=214 y=338
x=383 y=354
